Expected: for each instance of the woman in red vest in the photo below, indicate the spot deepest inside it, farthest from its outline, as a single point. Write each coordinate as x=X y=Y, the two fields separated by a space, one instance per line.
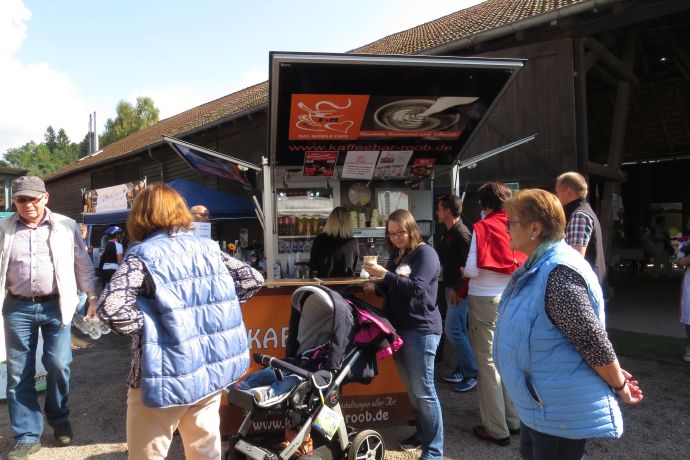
x=489 y=266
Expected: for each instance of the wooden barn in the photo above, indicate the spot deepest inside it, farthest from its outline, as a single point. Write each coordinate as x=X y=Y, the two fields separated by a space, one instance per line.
x=606 y=88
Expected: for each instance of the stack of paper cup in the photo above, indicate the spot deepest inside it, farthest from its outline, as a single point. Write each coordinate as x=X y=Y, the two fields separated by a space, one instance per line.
x=353 y=219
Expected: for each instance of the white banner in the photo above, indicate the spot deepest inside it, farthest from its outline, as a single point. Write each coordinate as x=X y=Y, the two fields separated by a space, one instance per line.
x=113 y=198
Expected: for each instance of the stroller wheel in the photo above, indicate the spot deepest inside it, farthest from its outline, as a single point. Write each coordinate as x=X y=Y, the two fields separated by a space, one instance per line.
x=367 y=445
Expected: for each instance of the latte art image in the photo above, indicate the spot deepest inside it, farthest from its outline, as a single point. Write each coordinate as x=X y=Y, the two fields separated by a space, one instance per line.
x=406 y=115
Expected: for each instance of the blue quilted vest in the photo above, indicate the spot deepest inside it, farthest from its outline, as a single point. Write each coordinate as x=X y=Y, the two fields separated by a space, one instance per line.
x=194 y=340
x=553 y=389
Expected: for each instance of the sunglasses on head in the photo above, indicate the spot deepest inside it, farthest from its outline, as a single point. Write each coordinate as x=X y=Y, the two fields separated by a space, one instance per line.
x=27 y=199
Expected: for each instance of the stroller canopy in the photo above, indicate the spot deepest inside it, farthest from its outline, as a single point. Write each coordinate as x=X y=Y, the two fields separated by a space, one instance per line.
x=320 y=316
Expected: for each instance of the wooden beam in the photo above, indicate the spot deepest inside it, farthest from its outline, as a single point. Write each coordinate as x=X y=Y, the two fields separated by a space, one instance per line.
x=610 y=60
x=605 y=75
x=638 y=113
x=660 y=115
x=679 y=57
x=633 y=14
x=685 y=119
x=581 y=134
x=604 y=171
x=620 y=121
x=589 y=60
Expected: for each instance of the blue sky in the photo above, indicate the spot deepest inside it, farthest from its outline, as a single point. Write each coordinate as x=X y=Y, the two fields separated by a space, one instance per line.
x=61 y=60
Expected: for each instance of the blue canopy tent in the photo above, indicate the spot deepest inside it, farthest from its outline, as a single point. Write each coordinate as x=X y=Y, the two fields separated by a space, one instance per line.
x=221 y=205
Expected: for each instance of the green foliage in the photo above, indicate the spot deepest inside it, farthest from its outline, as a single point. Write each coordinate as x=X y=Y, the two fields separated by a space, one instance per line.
x=129 y=120
x=40 y=159
x=56 y=150
x=84 y=145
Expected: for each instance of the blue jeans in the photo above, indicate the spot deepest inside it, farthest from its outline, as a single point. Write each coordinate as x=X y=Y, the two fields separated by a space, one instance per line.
x=541 y=446
x=415 y=364
x=23 y=319
x=267 y=377
x=456 y=331
x=81 y=306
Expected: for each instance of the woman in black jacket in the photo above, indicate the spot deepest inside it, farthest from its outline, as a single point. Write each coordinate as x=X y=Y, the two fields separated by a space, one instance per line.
x=335 y=253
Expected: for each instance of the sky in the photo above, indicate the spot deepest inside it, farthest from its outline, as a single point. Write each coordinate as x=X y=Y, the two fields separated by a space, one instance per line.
x=62 y=60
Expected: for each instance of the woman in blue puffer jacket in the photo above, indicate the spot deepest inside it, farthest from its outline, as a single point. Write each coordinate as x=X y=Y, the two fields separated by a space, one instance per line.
x=551 y=347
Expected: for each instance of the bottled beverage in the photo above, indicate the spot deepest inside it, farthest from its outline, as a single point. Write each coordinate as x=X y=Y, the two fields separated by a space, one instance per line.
x=91 y=326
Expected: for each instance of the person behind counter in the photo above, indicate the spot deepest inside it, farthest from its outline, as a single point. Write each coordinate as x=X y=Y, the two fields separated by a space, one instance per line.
x=551 y=346
x=335 y=253
x=169 y=278
x=410 y=284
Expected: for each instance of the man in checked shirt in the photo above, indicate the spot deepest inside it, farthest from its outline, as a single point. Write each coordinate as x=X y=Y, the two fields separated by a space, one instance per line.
x=583 y=231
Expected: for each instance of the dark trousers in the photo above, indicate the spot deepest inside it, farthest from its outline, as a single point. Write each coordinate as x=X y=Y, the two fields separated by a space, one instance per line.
x=105 y=276
x=540 y=446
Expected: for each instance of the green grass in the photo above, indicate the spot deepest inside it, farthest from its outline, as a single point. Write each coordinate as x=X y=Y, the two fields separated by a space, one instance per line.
x=647 y=346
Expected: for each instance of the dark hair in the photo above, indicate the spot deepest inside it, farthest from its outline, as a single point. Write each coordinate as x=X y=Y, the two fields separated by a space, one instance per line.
x=452 y=203
x=493 y=194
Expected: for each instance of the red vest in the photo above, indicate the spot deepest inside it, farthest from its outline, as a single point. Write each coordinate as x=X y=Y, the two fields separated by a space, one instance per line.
x=493 y=245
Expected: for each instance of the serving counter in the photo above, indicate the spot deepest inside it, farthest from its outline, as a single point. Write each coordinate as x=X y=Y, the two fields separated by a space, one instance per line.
x=266 y=317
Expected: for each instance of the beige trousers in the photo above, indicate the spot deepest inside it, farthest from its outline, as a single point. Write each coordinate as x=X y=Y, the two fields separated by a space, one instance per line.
x=150 y=430
x=495 y=408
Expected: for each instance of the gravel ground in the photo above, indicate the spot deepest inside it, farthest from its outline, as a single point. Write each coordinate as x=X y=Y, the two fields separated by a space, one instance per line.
x=657 y=428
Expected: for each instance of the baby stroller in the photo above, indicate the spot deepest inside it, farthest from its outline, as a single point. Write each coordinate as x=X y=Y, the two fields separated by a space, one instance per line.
x=333 y=339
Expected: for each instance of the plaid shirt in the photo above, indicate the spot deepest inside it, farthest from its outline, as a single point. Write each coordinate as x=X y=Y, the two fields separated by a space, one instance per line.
x=579 y=229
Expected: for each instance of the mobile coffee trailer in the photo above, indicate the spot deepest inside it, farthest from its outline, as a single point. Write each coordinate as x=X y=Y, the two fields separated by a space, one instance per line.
x=358 y=131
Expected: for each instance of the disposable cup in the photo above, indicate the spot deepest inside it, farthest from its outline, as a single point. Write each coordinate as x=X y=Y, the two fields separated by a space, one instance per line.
x=371 y=259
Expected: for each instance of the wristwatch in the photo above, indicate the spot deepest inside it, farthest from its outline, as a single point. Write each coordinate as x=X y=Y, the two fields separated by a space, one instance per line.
x=93 y=297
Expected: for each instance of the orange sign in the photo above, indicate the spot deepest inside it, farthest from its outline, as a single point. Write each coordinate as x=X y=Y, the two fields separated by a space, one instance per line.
x=266 y=317
x=326 y=116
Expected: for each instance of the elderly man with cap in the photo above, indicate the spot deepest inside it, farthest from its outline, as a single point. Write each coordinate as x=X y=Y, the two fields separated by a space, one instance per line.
x=43 y=265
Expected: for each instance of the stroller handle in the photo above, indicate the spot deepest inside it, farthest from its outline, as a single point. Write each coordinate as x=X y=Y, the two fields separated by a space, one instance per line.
x=275 y=363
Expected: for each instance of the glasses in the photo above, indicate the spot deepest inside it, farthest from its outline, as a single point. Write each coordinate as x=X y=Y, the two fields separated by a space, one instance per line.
x=510 y=224
x=27 y=199
x=395 y=234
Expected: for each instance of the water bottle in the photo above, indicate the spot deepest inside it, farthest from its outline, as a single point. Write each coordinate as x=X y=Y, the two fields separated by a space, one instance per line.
x=93 y=327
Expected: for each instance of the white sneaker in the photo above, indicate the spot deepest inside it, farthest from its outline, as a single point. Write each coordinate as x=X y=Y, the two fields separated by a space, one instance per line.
x=686 y=356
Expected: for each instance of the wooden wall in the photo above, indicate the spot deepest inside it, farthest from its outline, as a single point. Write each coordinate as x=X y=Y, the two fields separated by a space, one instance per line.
x=244 y=138
x=540 y=100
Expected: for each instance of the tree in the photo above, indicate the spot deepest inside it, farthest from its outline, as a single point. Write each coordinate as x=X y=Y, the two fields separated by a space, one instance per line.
x=39 y=159
x=129 y=120
x=62 y=141
x=85 y=145
x=50 y=138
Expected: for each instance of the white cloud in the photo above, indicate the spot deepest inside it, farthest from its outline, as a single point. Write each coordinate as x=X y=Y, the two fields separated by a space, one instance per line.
x=33 y=96
x=13 y=17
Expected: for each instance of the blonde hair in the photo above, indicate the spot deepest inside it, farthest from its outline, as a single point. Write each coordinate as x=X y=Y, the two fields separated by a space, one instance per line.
x=574 y=181
x=406 y=222
x=535 y=205
x=158 y=207
x=338 y=223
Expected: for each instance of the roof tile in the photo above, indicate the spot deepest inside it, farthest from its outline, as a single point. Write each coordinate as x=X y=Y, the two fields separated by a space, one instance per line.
x=480 y=18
